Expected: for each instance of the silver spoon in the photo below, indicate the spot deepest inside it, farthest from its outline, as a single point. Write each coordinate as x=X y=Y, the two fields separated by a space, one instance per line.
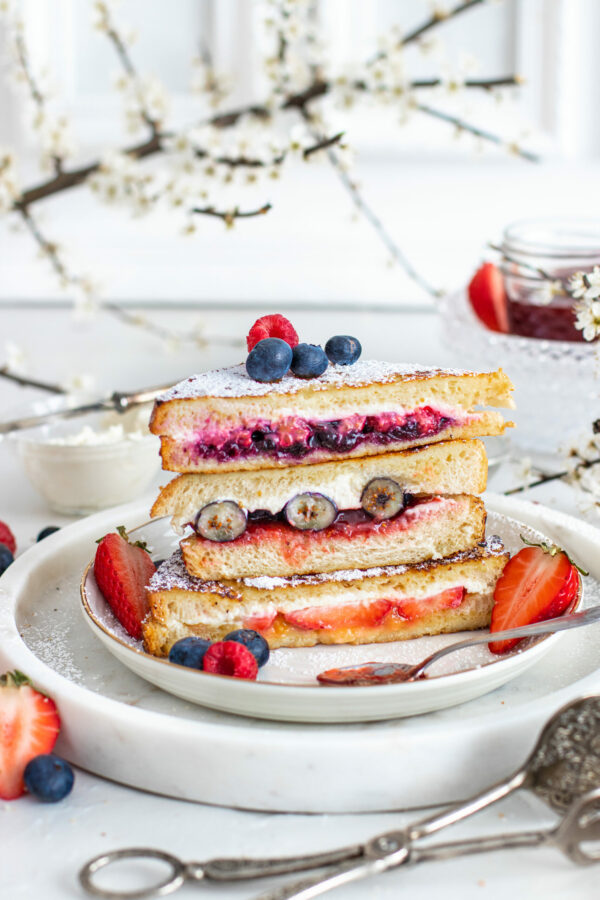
x=563 y=766
x=372 y=673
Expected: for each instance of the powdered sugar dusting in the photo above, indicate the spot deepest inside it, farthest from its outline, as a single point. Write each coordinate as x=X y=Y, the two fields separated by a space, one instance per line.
x=234 y=381
x=173 y=575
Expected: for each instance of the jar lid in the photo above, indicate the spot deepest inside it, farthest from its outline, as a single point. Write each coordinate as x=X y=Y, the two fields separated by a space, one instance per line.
x=557 y=237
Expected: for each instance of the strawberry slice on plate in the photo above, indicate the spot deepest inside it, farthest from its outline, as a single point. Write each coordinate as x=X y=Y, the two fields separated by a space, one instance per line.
x=122 y=571
x=538 y=583
x=487 y=296
x=352 y=615
x=29 y=726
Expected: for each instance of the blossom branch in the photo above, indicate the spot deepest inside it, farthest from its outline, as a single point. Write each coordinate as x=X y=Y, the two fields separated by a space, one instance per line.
x=461 y=125
x=228 y=216
x=30 y=382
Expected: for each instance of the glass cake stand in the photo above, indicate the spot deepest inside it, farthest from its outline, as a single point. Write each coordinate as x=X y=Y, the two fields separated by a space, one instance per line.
x=557 y=383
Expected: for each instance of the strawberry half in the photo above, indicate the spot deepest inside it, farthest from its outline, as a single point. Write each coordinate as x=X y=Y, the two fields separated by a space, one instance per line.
x=29 y=726
x=7 y=538
x=538 y=583
x=122 y=572
x=275 y=326
x=488 y=297
x=349 y=616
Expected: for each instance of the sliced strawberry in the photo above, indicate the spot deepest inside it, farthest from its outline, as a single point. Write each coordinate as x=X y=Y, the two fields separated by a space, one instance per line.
x=275 y=326
x=353 y=615
x=412 y=608
x=488 y=297
x=7 y=538
x=29 y=726
x=536 y=584
x=122 y=572
x=260 y=623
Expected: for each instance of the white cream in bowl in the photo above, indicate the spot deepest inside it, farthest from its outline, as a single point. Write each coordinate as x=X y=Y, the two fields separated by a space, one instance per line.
x=93 y=462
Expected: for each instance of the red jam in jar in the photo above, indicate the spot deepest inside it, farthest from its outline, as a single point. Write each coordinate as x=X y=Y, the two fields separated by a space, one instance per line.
x=539 y=258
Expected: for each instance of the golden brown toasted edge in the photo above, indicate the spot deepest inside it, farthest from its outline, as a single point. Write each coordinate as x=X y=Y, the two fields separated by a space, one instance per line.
x=478 y=388
x=161 y=629
x=455 y=467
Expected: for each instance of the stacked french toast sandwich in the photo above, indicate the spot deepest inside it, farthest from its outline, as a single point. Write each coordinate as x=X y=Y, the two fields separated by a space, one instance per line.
x=338 y=506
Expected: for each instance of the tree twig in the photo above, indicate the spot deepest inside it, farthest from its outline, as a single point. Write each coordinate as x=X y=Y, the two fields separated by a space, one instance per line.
x=30 y=382
x=462 y=125
x=555 y=476
x=229 y=215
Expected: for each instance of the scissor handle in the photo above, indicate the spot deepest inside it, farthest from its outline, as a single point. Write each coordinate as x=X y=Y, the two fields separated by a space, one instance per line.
x=178 y=874
x=580 y=830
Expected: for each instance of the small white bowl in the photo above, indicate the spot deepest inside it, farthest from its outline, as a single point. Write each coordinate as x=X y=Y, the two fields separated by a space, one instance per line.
x=89 y=463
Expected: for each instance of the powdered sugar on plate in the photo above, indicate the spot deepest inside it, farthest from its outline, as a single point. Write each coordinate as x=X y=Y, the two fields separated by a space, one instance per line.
x=234 y=381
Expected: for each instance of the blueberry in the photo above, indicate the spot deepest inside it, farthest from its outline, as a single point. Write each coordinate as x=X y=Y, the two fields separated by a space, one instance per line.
x=382 y=498
x=343 y=349
x=310 y=512
x=48 y=777
x=221 y=520
x=308 y=361
x=269 y=360
x=6 y=558
x=254 y=641
x=189 y=651
x=158 y=562
x=47 y=531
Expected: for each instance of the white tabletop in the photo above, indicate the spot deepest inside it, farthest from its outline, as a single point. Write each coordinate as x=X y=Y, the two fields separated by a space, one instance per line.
x=43 y=846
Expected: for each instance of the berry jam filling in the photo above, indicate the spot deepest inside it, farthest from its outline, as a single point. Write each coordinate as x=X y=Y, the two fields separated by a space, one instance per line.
x=296 y=438
x=348 y=523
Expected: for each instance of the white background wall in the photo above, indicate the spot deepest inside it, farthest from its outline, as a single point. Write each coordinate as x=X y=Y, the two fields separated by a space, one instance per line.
x=440 y=198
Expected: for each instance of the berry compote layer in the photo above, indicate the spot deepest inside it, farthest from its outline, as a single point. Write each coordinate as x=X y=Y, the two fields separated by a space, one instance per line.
x=295 y=438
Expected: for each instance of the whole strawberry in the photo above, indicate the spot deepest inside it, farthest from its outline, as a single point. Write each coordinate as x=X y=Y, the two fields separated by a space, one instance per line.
x=7 y=538
x=122 y=571
x=29 y=726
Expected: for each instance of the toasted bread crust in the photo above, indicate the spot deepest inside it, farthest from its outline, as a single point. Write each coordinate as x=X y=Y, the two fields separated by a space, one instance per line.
x=431 y=530
x=316 y=396
x=449 y=467
x=178 y=613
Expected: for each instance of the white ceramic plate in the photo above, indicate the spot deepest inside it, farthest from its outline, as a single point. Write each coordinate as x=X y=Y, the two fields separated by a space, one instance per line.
x=286 y=688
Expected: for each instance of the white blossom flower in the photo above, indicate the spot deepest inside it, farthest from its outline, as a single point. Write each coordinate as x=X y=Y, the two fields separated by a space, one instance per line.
x=9 y=186
x=16 y=358
x=585 y=284
x=546 y=292
x=587 y=318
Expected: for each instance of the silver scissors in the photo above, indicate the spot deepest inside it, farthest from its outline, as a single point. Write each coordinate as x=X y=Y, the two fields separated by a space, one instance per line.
x=574 y=835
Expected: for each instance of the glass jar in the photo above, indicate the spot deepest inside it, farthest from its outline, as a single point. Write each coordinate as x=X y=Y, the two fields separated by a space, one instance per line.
x=539 y=257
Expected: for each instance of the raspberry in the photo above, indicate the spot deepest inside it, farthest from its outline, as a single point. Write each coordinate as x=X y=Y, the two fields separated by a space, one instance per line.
x=7 y=538
x=274 y=326
x=230 y=658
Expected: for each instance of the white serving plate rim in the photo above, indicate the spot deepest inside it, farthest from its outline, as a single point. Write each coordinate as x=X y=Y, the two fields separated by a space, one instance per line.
x=506 y=664
x=17 y=653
